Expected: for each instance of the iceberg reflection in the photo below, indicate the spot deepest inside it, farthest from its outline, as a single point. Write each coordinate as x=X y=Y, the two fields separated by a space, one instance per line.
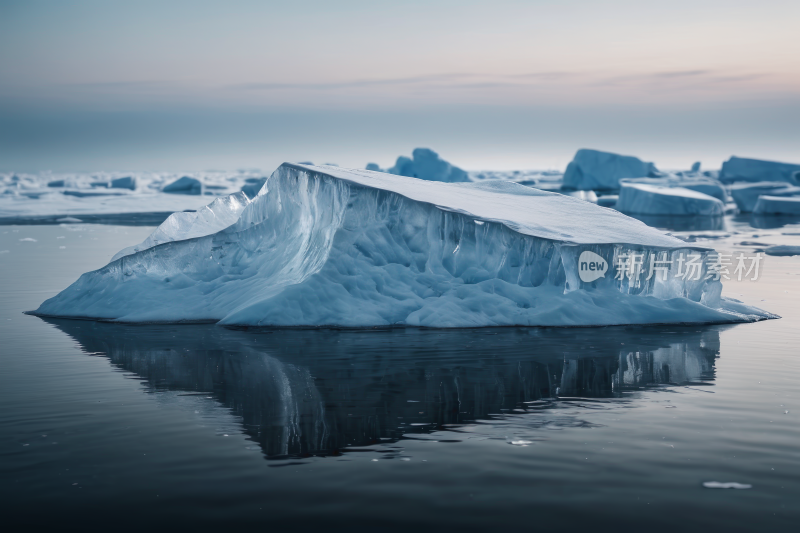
x=319 y=392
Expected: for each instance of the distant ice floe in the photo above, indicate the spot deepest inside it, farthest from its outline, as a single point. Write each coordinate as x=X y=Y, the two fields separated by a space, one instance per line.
x=743 y=169
x=645 y=199
x=184 y=185
x=746 y=194
x=726 y=485
x=328 y=246
x=699 y=184
x=777 y=205
x=112 y=197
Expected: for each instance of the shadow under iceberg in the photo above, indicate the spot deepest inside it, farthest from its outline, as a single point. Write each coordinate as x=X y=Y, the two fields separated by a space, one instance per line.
x=322 y=392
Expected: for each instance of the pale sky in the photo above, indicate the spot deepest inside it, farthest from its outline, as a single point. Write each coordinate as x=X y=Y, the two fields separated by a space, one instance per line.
x=189 y=85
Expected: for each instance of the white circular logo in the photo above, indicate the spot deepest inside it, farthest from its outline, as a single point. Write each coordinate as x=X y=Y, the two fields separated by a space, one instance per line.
x=591 y=267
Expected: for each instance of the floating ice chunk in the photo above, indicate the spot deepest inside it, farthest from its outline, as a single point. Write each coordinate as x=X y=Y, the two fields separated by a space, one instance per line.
x=427 y=165
x=726 y=485
x=776 y=205
x=69 y=220
x=332 y=246
x=783 y=250
x=696 y=166
x=644 y=199
x=184 y=185
x=373 y=166
x=55 y=183
x=128 y=182
x=212 y=218
x=593 y=169
x=746 y=194
x=704 y=185
x=28 y=239
x=742 y=169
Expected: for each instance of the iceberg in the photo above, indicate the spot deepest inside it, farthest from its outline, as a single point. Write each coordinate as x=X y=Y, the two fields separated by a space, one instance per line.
x=427 y=165
x=596 y=170
x=742 y=169
x=777 y=205
x=645 y=199
x=746 y=194
x=328 y=246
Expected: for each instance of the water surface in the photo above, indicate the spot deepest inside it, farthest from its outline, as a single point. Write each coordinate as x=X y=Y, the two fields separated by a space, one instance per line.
x=199 y=427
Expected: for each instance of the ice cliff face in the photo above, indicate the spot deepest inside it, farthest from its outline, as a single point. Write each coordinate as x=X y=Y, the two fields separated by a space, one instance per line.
x=331 y=246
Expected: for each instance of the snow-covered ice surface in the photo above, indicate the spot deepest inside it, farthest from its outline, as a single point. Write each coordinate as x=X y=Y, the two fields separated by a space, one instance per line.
x=642 y=198
x=743 y=169
x=329 y=246
x=596 y=170
x=209 y=219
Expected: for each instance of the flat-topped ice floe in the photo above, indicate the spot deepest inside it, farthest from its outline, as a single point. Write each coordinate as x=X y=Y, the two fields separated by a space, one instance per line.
x=701 y=184
x=777 y=205
x=645 y=199
x=746 y=195
x=327 y=246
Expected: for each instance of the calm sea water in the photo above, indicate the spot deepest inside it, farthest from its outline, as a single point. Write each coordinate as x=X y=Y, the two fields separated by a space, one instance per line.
x=109 y=427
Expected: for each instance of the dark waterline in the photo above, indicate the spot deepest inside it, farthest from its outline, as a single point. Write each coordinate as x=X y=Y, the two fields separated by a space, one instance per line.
x=199 y=427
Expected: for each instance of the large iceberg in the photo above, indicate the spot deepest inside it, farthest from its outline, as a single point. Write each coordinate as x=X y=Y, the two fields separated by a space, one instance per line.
x=427 y=165
x=596 y=170
x=646 y=199
x=743 y=169
x=327 y=246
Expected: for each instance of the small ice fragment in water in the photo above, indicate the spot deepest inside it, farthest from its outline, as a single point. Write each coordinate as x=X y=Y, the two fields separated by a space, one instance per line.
x=374 y=460
x=28 y=239
x=520 y=442
x=728 y=485
x=68 y=220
